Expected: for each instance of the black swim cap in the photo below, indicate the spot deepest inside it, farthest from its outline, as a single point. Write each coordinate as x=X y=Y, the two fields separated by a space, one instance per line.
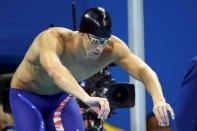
x=96 y=21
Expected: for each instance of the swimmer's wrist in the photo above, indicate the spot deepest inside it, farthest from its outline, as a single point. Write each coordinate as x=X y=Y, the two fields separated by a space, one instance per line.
x=158 y=100
x=85 y=98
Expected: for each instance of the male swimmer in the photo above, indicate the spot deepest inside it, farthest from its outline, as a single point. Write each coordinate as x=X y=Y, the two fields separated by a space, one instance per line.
x=44 y=84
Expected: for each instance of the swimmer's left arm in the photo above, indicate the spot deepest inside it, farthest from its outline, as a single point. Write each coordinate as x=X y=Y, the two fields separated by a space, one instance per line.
x=141 y=71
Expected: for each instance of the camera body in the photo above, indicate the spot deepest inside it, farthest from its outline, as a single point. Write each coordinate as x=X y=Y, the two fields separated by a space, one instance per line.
x=119 y=95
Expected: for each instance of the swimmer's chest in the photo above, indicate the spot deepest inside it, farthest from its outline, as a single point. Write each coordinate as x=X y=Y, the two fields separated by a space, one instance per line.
x=85 y=68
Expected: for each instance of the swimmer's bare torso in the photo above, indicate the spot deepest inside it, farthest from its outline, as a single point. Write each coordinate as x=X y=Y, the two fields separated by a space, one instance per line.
x=32 y=76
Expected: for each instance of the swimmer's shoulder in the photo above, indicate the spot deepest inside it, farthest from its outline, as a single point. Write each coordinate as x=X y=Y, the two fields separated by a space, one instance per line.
x=57 y=32
x=44 y=39
x=117 y=41
x=63 y=35
x=118 y=48
x=117 y=44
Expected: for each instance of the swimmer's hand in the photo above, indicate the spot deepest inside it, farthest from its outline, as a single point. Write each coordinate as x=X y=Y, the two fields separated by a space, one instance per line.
x=99 y=105
x=161 y=112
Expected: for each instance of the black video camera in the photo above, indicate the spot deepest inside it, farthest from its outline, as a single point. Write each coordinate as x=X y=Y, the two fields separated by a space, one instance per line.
x=119 y=95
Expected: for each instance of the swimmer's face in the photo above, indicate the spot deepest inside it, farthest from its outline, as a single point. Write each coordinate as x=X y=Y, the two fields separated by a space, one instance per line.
x=96 y=45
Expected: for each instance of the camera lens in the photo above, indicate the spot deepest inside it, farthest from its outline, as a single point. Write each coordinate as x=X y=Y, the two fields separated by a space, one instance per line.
x=119 y=95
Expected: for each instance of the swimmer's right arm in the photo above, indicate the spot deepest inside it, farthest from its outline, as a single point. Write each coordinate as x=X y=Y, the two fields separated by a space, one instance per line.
x=51 y=48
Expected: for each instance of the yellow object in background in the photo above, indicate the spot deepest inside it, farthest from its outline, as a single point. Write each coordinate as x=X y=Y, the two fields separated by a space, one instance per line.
x=109 y=127
x=5 y=118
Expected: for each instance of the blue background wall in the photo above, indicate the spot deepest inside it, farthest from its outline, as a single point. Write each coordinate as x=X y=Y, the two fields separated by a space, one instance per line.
x=170 y=43
x=170 y=30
